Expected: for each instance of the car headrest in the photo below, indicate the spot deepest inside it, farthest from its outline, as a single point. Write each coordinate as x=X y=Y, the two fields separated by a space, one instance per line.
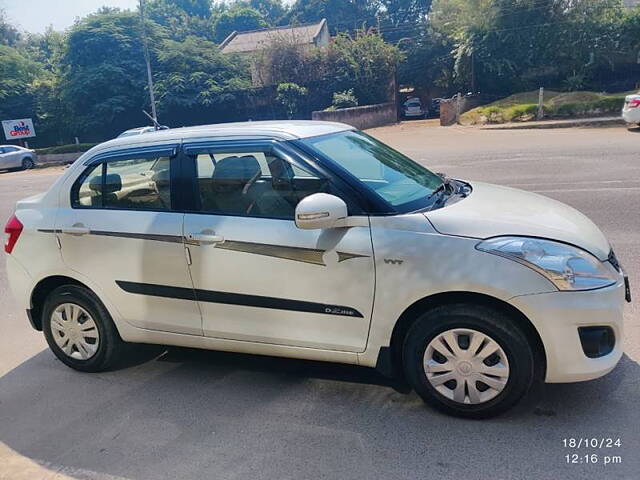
x=237 y=168
x=161 y=177
x=112 y=183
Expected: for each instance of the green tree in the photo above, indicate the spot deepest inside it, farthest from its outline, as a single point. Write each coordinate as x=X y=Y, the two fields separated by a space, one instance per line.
x=238 y=19
x=365 y=63
x=194 y=74
x=16 y=76
x=44 y=48
x=272 y=10
x=103 y=75
x=9 y=35
x=182 y=18
x=290 y=95
x=341 y=15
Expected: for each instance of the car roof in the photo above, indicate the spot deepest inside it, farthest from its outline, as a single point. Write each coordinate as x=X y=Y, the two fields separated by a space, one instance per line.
x=273 y=129
x=15 y=146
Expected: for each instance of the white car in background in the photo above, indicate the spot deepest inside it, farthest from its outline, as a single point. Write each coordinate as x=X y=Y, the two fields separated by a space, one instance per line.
x=141 y=130
x=13 y=156
x=413 y=108
x=314 y=240
x=631 y=110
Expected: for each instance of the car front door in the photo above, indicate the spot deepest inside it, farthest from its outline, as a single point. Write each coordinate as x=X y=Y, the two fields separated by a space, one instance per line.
x=9 y=157
x=258 y=277
x=118 y=229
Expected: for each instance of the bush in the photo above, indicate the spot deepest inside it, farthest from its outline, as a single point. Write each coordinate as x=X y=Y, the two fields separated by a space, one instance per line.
x=290 y=95
x=345 y=99
x=71 y=148
x=565 y=105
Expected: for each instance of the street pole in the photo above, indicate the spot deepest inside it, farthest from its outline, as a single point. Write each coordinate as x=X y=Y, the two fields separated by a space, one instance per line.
x=147 y=60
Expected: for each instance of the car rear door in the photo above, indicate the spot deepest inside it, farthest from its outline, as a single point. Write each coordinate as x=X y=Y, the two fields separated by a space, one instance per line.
x=257 y=276
x=118 y=228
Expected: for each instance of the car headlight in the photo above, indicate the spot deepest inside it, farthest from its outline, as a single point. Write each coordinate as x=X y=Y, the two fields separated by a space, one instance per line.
x=567 y=267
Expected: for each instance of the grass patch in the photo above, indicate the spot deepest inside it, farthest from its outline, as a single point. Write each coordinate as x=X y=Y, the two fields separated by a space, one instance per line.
x=523 y=107
x=71 y=148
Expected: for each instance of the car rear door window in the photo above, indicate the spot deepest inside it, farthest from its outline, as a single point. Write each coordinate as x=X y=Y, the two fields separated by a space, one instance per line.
x=129 y=184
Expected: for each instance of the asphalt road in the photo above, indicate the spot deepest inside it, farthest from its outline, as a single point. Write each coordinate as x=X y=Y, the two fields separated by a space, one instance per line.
x=192 y=415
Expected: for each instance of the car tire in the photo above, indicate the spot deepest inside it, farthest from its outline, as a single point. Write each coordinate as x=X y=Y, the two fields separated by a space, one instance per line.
x=59 y=307
x=27 y=163
x=464 y=394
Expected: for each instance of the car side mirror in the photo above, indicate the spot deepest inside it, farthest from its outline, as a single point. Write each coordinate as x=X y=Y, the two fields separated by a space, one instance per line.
x=320 y=210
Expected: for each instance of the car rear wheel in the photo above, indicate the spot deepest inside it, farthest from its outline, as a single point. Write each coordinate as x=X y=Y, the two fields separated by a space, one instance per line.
x=27 y=163
x=468 y=361
x=80 y=331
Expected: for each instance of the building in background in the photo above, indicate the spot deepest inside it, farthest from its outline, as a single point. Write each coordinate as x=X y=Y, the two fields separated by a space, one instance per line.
x=251 y=42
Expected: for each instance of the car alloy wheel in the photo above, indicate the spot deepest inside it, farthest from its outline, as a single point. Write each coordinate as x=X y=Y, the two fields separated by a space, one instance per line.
x=27 y=164
x=74 y=331
x=466 y=366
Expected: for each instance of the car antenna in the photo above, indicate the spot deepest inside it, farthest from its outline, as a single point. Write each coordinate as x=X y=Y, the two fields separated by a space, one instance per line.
x=155 y=122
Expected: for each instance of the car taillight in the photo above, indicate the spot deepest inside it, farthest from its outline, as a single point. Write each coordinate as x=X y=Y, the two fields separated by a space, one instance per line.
x=634 y=103
x=13 y=229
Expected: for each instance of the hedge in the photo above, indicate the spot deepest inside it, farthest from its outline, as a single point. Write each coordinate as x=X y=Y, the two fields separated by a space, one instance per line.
x=71 y=148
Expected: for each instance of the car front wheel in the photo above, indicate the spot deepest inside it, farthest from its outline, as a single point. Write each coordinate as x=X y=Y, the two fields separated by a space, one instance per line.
x=80 y=331
x=27 y=164
x=468 y=361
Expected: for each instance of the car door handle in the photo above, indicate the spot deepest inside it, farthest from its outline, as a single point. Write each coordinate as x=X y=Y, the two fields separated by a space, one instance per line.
x=76 y=230
x=204 y=238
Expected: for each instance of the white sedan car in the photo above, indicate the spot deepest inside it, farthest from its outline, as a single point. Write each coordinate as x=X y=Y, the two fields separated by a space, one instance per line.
x=13 y=156
x=314 y=240
x=631 y=110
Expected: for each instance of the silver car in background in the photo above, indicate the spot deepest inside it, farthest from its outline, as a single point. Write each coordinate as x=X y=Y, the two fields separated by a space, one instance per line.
x=13 y=156
x=412 y=108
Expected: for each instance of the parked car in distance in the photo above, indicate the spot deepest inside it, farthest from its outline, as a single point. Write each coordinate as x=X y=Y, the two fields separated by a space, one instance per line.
x=13 y=156
x=435 y=106
x=412 y=108
x=314 y=240
x=631 y=110
x=141 y=130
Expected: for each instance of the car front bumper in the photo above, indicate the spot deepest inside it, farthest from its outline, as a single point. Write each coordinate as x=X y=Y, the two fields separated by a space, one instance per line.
x=413 y=114
x=558 y=316
x=631 y=115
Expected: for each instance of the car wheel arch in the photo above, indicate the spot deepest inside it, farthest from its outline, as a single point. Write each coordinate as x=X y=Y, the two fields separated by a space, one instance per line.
x=42 y=290
x=390 y=358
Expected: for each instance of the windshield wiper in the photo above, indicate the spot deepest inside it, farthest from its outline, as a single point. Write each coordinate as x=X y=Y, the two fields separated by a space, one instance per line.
x=441 y=192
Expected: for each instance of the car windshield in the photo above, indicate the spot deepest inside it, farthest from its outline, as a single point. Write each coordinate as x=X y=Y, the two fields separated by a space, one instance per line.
x=397 y=179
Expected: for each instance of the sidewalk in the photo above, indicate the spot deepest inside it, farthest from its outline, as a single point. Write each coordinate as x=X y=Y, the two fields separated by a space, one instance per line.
x=577 y=122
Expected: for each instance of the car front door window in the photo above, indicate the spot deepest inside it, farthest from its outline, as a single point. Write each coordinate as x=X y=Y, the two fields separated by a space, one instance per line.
x=256 y=184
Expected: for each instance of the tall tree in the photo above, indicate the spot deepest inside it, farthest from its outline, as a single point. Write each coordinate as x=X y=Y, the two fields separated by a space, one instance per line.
x=182 y=18
x=239 y=19
x=194 y=74
x=9 y=35
x=16 y=75
x=341 y=15
x=103 y=74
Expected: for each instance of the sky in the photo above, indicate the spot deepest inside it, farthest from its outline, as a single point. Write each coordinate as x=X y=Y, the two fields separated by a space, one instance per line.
x=37 y=15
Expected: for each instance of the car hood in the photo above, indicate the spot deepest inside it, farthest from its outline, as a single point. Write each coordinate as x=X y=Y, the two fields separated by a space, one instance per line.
x=492 y=210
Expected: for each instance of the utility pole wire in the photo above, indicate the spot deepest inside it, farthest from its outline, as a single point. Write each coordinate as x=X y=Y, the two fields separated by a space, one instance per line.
x=147 y=60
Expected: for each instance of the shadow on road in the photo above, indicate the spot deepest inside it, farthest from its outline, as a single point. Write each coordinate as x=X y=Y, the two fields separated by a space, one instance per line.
x=196 y=414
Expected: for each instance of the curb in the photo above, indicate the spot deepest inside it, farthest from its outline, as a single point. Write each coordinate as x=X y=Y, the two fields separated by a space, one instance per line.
x=548 y=124
x=52 y=164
